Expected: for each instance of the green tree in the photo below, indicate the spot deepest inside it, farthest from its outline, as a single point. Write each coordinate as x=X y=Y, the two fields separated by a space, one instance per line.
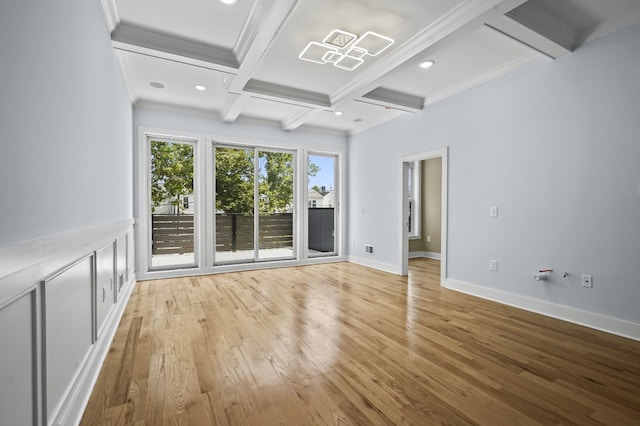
x=172 y=178
x=171 y=173
x=234 y=180
x=276 y=182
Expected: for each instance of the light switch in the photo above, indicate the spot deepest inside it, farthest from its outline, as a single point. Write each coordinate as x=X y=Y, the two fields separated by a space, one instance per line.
x=493 y=211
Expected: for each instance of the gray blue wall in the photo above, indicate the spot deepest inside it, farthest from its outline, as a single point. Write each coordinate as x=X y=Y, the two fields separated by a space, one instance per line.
x=556 y=147
x=65 y=117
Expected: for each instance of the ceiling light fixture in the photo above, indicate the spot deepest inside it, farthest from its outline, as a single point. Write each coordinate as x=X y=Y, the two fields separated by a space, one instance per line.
x=200 y=87
x=156 y=85
x=344 y=49
x=338 y=113
x=427 y=64
x=228 y=1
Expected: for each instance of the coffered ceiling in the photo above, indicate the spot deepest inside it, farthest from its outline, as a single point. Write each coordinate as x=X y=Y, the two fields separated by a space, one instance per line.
x=246 y=54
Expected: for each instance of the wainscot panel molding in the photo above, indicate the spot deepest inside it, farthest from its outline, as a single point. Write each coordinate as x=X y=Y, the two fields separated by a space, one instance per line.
x=61 y=299
x=588 y=319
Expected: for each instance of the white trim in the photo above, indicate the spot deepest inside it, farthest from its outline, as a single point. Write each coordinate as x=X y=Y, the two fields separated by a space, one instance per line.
x=23 y=265
x=381 y=266
x=110 y=13
x=206 y=150
x=442 y=153
x=78 y=394
x=588 y=319
x=425 y=254
x=236 y=267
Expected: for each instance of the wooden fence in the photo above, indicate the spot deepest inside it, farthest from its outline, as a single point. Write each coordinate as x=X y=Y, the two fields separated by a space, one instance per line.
x=174 y=233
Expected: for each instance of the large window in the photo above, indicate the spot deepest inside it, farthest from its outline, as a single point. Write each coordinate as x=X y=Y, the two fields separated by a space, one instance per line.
x=321 y=204
x=207 y=205
x=172 y=204
x=254 y=199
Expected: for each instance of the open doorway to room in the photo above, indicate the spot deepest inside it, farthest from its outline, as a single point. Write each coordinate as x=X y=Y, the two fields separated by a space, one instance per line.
x=424 y=208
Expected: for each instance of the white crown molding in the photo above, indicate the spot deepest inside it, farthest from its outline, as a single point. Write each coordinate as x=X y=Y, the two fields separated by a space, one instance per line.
x=125 y=67
x=110 y=13
x=485 y=77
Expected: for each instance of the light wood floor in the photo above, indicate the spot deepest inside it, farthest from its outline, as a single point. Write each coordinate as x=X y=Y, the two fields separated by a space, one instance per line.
x=341 y=344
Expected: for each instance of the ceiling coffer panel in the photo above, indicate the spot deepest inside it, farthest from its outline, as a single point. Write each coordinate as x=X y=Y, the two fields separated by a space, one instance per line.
x=300 y=62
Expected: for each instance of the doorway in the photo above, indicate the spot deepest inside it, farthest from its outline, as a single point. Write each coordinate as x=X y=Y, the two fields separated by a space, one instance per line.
x=411 y=206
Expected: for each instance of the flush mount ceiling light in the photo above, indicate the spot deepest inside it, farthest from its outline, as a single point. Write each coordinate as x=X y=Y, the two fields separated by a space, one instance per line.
x=200 y=87
x=345 y=50
x=229 y=1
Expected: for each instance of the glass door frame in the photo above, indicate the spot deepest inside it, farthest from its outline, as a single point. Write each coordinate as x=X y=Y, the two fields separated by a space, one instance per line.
x=257 y=149
x=146 y=206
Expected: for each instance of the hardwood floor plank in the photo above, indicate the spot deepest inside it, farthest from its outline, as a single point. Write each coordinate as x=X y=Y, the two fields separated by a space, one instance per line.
x=340 y=344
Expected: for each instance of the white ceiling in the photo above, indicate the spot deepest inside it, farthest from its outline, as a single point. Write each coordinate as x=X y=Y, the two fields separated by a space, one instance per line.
x=247 y=54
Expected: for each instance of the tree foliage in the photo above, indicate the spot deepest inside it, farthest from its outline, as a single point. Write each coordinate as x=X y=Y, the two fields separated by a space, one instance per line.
x=234 y=180
x=172 y=178
x=171 y=173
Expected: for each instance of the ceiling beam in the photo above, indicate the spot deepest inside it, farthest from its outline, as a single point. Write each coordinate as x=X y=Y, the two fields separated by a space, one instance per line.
x=527 y=36
x=232 y=106
x=153 y=40
x=296 y=119
x=468 y=16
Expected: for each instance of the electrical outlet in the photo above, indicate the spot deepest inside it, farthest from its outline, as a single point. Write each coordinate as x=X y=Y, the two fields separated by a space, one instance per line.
x=587 y=281
x=368 y=248
x=493 y=265
x=493 y=211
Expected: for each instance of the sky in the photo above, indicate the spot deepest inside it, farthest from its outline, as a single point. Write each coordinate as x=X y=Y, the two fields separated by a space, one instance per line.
x=325 y=177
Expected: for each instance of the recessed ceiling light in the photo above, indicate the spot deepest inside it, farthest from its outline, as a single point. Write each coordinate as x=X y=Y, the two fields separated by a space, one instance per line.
x=157 y=85
x=200 y=87
x=427 y=64
x=338 y=112
x=358 y=120
x=229 y=1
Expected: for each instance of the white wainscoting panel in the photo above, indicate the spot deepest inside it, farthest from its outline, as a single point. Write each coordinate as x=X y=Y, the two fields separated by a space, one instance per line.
x=16 y=375
x=68 y=330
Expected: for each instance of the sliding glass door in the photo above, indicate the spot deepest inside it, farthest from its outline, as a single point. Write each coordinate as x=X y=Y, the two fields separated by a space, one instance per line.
x=254 y=204
x=276 y=202
x=234 y=213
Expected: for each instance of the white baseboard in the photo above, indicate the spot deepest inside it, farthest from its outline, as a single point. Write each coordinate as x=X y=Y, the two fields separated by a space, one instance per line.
x=80 y=390
x=427 y=254
x=588 y=319
x=381 y=266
